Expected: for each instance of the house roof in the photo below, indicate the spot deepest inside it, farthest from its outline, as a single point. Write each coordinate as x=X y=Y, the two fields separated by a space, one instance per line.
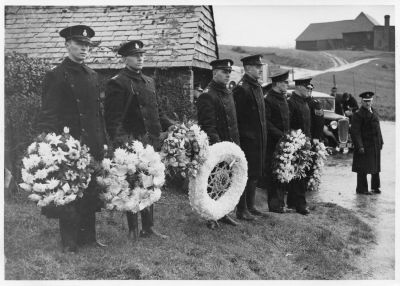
x=334 y=30
x=174 y=36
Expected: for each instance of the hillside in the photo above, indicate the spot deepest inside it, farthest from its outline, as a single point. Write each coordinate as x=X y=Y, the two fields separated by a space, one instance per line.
x=287 y=57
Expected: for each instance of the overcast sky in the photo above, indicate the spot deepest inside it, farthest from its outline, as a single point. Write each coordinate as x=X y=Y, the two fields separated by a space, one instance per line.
x=279 y=26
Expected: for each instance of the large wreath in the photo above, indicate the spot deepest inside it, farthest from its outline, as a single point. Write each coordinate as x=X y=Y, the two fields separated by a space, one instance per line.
x=133 y=178
x=220 y=182
x=319 y=155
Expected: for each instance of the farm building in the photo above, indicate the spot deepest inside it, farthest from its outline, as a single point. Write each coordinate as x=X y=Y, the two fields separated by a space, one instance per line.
x=179 y=41
x=362 y=32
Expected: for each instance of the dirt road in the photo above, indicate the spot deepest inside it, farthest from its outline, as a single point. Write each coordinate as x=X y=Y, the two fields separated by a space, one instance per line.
x=338 y=186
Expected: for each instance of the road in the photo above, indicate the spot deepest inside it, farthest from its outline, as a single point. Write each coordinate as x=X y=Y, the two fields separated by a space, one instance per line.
x=338 y=186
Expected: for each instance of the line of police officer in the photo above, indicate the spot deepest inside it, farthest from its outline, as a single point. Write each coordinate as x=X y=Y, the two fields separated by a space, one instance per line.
x=71 y=97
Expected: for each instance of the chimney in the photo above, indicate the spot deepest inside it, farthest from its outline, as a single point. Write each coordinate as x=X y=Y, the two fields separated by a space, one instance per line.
x=386 y=33
x=387 y=20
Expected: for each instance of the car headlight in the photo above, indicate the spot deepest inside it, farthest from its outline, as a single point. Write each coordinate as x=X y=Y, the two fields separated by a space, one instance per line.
x=333 y=124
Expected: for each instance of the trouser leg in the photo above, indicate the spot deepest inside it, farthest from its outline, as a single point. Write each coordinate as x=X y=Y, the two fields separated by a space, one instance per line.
x=245 y=197
x=276 y=195
x=291 y=195
x=69 y=228
x=87 y=228
x=362 y=183
x=147 y=218
x=301 y=194
x=133 y=228
x=251 y=193
x=375 y=181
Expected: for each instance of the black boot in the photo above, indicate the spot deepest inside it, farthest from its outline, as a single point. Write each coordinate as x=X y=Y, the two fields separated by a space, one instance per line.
x=69 y=222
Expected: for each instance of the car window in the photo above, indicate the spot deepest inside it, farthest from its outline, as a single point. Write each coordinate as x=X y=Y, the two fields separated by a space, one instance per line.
x=327 y=103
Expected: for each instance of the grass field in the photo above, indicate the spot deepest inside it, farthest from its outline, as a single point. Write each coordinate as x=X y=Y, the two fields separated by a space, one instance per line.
x=322 y=245
x=287 y=57
x=377 y=76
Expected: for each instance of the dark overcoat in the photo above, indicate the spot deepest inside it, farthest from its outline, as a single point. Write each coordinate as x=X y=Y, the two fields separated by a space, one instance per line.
x=71 y=98
x=341 y=106
x=366 y=133
x=300 y=117
x=317 y=118
x=143 y=116
x=250 y=111
x=277 y=119
x=216 y=114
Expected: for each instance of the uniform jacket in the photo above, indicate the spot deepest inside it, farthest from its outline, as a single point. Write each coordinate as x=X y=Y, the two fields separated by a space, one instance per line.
x=300 y=117
x=277 y=117
x=71 y=97
x=143 y=117
x=250 y=111
x=216 y=114
x=366 y=133
x=317 y=118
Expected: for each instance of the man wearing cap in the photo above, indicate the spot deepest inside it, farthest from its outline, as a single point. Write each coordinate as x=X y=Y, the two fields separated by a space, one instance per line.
x=197 y=91
x=250 y=111
x=368 y=143
x=132 y=113
x=71 y=98
x=316 y=117
x=216 y=113
x=277 y=117
x=300 y=118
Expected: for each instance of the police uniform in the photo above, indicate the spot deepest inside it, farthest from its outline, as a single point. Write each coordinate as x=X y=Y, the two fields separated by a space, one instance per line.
x=300 y=118
x=132 y=112
x=250 y=111
x=346 y=103
x=71 y=98
x=368 y=143
x=316 y=117
x=277 y=119
x=217 y=114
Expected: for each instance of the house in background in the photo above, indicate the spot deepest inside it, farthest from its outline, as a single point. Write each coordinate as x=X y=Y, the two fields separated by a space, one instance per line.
x=180 y=41
x=360 y=33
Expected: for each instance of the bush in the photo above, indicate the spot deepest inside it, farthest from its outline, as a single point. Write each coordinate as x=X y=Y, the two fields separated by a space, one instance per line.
x=23 y=78
x=239 y=49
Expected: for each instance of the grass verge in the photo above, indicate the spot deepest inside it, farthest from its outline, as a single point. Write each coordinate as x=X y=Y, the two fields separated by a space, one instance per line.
x=322 y=245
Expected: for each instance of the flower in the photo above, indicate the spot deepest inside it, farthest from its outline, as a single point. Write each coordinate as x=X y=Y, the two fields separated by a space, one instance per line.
x=73 y=154
x=41 y=174
x=44 y=149
x=53 y=138
x=66 y=130
x=106 y=163
x=52 y=183
x=32 y=148
x=59 y=155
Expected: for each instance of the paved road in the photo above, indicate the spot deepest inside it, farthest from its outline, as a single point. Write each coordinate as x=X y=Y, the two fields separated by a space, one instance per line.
x=338 y=186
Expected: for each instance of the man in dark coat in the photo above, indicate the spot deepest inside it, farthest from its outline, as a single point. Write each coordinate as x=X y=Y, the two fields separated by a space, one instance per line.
x=132 y=113
x=346 y=106
x=277 y=117
x=300 y=118
x=316 y=117
x=71 y=98
x=368 y=143
x=216 y=113
x=250 y=111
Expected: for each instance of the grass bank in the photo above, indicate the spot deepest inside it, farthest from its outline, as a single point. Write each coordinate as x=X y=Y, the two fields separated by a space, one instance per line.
x=322 y=245
x=287 y=57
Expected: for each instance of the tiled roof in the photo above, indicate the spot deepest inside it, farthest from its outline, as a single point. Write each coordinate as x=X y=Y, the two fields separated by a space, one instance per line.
x=173 y=35
x=334 y=30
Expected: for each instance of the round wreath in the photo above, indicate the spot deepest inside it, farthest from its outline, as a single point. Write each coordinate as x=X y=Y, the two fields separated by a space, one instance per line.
x=132 y=179
x=220 y=182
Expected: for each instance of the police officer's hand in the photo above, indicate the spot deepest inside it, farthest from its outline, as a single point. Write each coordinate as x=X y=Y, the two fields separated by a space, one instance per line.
x=348 y=113
x=361 y=151
x=315 y=141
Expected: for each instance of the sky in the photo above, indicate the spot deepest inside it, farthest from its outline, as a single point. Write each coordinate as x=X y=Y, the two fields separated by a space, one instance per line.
x=279 y=26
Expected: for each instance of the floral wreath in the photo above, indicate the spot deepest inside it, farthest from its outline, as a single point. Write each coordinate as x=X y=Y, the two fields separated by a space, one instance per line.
x=184 y=150
x=319 y=155
x=132 y=179
x=56 y=169
x=292 y=157
x=220 y=182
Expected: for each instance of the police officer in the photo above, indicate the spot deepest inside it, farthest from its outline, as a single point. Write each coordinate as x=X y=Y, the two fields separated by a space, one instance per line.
x=132 y=113
x=277 y=117
x=300 y=118
x=71 y=98
x=250 y=111
x=217 y=114
x=368 y=143
x=316 y=117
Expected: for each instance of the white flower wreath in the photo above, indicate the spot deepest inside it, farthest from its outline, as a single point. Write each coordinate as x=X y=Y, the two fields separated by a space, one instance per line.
x=199 y=186
x=132 y=178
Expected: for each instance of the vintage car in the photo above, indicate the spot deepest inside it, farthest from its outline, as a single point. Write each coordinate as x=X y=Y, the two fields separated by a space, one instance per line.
x=337 y=127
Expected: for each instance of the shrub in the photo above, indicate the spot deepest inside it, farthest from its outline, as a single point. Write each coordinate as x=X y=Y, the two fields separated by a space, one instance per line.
x=239 y=49
x=23 y=78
